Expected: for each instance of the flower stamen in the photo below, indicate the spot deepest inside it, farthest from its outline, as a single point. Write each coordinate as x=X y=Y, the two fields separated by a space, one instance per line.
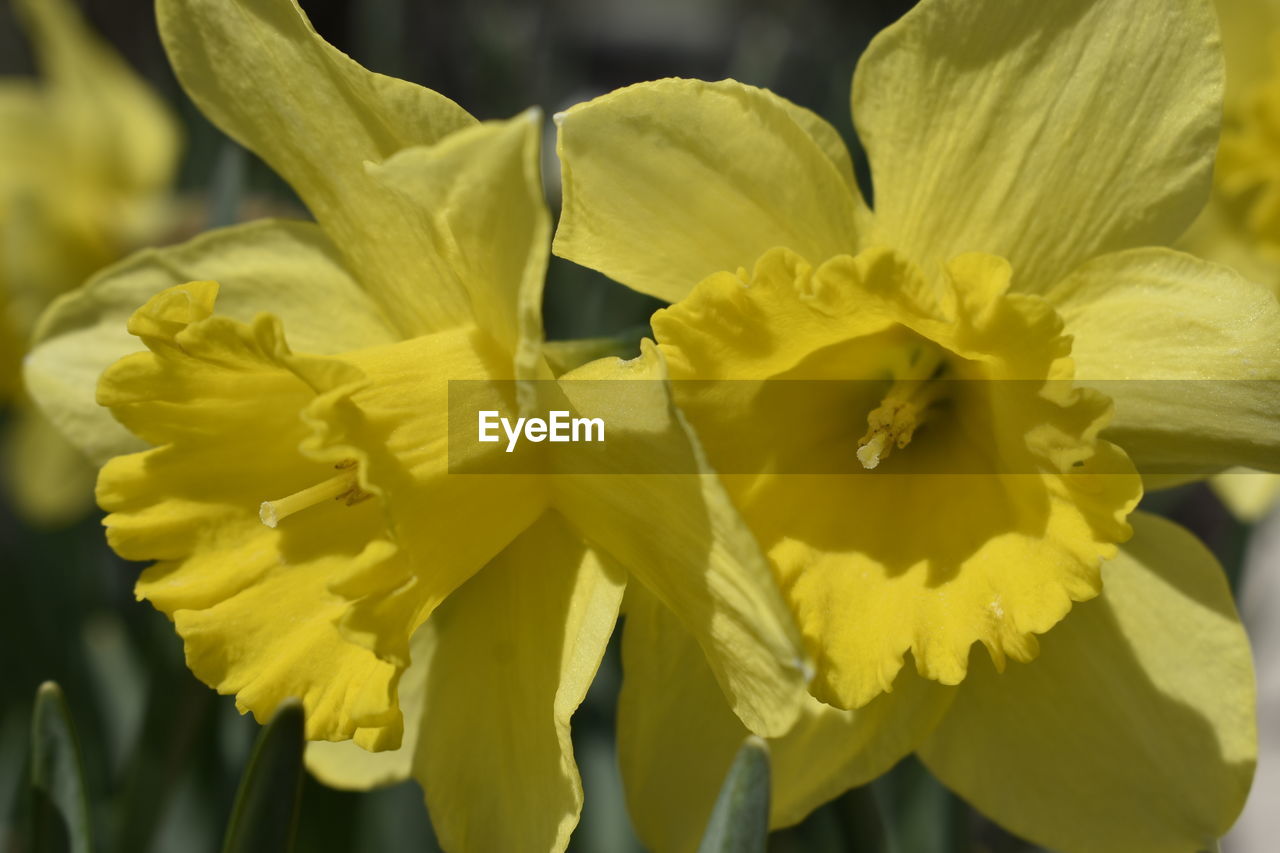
x=341 y=486
x=903 y=409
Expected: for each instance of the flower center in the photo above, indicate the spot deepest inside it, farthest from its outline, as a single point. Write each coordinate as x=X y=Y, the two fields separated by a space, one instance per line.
x=948 y=548
x=907 y=404
x=342 y=486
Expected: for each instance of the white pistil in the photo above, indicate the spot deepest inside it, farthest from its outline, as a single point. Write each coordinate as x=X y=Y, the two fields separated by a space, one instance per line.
x=341 y=485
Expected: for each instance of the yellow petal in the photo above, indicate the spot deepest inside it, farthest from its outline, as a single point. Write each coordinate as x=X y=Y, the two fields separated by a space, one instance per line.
x=514 y=652
x=114 y=128
x=285 y=268
x=1197 y=349
x=1220 y=236
x=347 y=765
x=1019 y=498
x=479 y=195
x=260 y=72
x=830 y=751
x=692 y=552
x=50 y=482
x=677 y=737
x=1046 y=133
x=221 y=402
x=668 y=182
x=1248 y=494
x=676 y=734
x=397 y=425
x=1134 y=730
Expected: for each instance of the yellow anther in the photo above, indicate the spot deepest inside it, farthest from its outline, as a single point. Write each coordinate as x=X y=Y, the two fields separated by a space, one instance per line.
x=890 y=425
x=342 y=486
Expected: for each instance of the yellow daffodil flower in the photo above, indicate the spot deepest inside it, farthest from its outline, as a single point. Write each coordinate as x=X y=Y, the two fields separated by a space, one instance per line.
x=1240 y=227
x=986 y=363
x=87 y=153
x=291 y=477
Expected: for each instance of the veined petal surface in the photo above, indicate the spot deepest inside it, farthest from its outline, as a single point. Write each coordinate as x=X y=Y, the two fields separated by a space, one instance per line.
x=1047 y=133
x=670 y=181
x=1134 y=730
x=488 y=224
x=515 y=650
x=260 y=72
x=1189 y=351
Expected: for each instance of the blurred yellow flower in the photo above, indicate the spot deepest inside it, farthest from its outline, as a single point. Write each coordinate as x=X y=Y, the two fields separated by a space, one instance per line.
x=1025 y=157
x=1247 y=182
x=87 y=153
x=292 y=477
x=1240 y=227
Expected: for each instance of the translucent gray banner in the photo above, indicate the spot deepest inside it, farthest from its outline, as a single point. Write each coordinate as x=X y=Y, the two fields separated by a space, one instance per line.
x=1171 y=428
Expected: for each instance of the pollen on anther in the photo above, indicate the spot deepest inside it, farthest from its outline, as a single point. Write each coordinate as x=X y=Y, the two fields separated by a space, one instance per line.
x=267 y=514
x=869 y=454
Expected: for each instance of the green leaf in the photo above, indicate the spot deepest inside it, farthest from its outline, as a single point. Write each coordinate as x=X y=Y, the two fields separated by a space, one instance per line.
x=59 y=808
x=265 y=817
x=862 y=818
x=740 y=820
x=921 y=815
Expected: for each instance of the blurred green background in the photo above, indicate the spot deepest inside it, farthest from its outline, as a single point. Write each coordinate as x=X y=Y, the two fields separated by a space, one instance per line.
x=163 y=753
